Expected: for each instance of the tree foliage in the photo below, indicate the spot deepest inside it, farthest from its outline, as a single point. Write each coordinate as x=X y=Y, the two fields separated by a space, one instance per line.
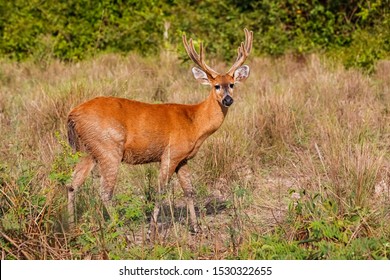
x=75 y=29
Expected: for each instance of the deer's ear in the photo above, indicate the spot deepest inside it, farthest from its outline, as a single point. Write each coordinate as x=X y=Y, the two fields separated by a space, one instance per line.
x=241 y=74
x=200 y=76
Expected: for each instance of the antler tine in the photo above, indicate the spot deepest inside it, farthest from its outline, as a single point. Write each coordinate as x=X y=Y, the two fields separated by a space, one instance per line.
x=243 y=51
x=198 y=59
x=248 y=40
x=190 y=51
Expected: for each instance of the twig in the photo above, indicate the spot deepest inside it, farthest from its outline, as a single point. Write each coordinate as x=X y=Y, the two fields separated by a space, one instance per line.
x=9 y=239
x=321 y=159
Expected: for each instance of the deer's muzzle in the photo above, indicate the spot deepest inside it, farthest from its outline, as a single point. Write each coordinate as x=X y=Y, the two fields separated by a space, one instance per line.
x=227 y=101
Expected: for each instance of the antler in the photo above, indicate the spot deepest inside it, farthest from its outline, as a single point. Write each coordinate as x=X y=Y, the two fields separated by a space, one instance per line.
x=198 y=58
x=243 y=52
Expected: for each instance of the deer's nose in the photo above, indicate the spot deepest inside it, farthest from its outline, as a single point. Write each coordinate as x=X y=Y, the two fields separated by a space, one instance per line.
x=227 y=101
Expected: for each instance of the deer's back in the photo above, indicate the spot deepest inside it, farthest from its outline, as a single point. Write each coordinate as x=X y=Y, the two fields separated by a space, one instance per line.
x=139 y=132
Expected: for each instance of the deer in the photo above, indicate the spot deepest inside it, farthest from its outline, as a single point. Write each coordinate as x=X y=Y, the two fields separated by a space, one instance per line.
x=110 y=130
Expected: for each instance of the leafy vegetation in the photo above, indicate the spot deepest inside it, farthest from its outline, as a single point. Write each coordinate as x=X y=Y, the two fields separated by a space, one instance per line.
x=354 y=31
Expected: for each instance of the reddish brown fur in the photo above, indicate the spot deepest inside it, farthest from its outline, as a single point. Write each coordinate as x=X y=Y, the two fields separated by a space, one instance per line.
x=111 y=130
x=142 y=132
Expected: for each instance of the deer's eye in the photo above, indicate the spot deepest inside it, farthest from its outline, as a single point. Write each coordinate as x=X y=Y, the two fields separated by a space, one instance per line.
x=217 y=87
x=231 y=86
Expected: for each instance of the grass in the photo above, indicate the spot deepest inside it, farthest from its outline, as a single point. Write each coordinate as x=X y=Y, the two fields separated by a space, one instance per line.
x=299 y=170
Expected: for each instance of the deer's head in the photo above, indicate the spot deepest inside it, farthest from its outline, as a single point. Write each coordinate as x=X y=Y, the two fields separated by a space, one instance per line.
x=222 y=84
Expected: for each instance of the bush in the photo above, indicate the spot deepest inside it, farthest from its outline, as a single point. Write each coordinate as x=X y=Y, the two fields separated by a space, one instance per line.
x=76 y=29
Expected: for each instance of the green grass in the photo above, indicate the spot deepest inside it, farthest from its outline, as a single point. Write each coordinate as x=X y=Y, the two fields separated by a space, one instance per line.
x=300 y=168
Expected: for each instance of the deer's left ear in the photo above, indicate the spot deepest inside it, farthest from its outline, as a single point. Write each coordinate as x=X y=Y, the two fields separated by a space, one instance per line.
x=241 y=74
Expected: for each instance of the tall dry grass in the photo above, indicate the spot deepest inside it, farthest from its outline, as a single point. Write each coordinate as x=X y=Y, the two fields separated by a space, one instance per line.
x=303 y=136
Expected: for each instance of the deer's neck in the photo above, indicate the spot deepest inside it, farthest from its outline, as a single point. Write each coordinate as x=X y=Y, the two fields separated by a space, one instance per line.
x=210 y=116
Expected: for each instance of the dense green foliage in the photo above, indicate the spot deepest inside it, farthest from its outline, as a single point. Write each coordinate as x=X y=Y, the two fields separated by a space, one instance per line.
x=356 y=30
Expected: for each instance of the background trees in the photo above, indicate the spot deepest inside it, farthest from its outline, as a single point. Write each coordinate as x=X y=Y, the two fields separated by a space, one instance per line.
x=356 y=31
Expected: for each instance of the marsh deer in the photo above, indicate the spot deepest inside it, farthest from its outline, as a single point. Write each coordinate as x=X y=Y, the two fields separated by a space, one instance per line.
x=109 y=130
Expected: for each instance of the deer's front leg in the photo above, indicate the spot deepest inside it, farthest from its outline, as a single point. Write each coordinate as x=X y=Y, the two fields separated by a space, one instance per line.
x=166 y=170
x=184 y=176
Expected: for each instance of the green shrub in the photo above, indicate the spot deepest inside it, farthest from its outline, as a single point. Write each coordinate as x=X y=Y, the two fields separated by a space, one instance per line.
x=77 y=29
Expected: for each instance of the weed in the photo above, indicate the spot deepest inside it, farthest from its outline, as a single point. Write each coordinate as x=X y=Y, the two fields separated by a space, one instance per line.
x=64 y=163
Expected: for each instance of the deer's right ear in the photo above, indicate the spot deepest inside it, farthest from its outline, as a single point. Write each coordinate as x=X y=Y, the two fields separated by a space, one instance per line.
x=200 y=76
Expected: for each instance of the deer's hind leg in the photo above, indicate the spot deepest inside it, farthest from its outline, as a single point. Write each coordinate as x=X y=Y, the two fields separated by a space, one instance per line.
x=81 y=172
x=108 y=160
